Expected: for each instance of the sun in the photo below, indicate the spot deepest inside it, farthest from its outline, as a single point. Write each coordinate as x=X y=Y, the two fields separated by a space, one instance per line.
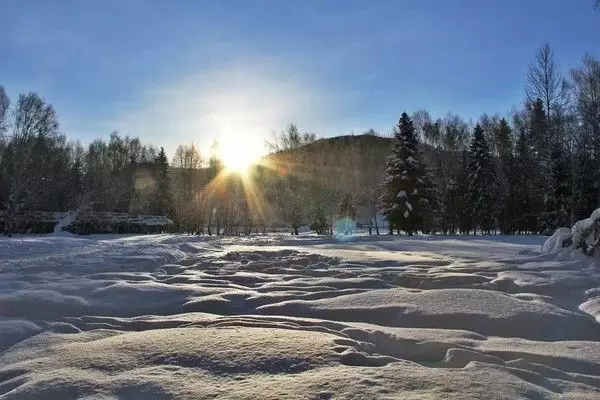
x=239 y=157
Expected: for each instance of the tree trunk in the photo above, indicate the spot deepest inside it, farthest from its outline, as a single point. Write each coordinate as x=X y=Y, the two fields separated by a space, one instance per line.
x=218 y=223
x=209 y=223
x=10 y=226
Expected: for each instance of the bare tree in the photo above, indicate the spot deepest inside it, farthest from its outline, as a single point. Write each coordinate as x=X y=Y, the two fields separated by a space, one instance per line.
x=544 y=81
x=187 y=163
x=290 y=139
x=586 y=90
x=35 y=121
x=371 y=172
x=4 y=107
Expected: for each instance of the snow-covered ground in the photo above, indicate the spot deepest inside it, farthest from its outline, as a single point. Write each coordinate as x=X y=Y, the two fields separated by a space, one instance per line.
x=167 y=316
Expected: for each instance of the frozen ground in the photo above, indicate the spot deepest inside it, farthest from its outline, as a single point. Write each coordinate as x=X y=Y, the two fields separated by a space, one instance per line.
x=153 y=317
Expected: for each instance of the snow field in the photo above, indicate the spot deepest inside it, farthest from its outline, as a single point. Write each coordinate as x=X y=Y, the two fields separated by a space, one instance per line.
x=172 y=316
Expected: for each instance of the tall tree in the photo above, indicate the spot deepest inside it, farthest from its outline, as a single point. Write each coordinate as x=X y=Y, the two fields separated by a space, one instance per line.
x=186 y=185
x=586 y=91
x=562 y=193
x=4 y=109
x=28 y=166
x=371 y=172
x=404 y=184
x=214 y=191
x=482 y=179
x=163 y=184
x=506 y=187
x=544 y=81
x=538 y=129
x=525 y=219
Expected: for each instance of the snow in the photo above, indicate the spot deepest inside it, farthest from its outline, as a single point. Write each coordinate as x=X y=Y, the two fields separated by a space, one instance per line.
x=64 y=221
x=581 y=231
x=555 y=242
x=582 y=227
x=276 y=316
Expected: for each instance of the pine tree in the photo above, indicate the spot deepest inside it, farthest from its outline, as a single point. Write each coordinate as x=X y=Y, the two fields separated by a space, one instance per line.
x=462 y=199
x=446 y=183
x=482 y=182
x=539 y=136
x=561 y=179
x=586 y=193
x=429 y=204
x=504 y=145
x=540 y=173
x=403 y=202
x=163 y=190
x=522 y=195
x=504 y=141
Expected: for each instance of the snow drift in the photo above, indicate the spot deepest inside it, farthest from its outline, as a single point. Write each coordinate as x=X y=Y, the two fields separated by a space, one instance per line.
x=186 y=317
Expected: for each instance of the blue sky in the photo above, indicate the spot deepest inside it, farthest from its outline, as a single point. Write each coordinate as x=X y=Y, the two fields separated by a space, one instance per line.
x=192 y=70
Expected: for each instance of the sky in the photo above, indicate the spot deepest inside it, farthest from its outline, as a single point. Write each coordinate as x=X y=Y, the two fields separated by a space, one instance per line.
x=191 y=71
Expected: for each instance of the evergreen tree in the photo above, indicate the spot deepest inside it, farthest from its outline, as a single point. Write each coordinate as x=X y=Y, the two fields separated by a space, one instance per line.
x=586 y=189
x=446 y=182
x=463 y=212
x=506 y=185
x=522 y=195
x=504 y=141
x=482 y=182
x=403 y=202
x=429 y=204
x=539 y=136
x=561 y=177
x=163 y=192
x=540 y=141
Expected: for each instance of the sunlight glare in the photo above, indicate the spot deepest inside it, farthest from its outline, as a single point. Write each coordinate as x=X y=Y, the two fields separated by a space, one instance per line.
x=239 y=156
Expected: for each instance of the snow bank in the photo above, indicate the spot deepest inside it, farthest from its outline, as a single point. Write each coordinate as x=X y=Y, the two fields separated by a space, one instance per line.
x=556 y=241
x=585 y=234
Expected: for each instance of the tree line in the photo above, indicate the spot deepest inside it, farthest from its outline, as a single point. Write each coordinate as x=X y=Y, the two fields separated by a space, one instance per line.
x=528 y=172
x=531 y=173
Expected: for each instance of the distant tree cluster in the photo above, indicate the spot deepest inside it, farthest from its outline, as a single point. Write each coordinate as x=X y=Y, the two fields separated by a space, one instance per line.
x=531 y=175
x=529 y=172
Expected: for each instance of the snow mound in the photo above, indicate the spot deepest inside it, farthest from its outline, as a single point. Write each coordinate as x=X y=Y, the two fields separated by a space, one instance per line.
x=556 y=241
x=65 y=221
x=482 y=311
x=585 y=234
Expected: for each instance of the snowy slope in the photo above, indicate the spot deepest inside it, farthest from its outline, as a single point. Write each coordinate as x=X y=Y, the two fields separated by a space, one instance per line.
x=173 y=316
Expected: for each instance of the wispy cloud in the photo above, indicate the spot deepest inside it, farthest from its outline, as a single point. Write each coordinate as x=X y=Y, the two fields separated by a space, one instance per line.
x=229 y=103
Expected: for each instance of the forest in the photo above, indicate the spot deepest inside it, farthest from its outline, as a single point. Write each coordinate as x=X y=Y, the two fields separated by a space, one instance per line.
x=528 y=171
